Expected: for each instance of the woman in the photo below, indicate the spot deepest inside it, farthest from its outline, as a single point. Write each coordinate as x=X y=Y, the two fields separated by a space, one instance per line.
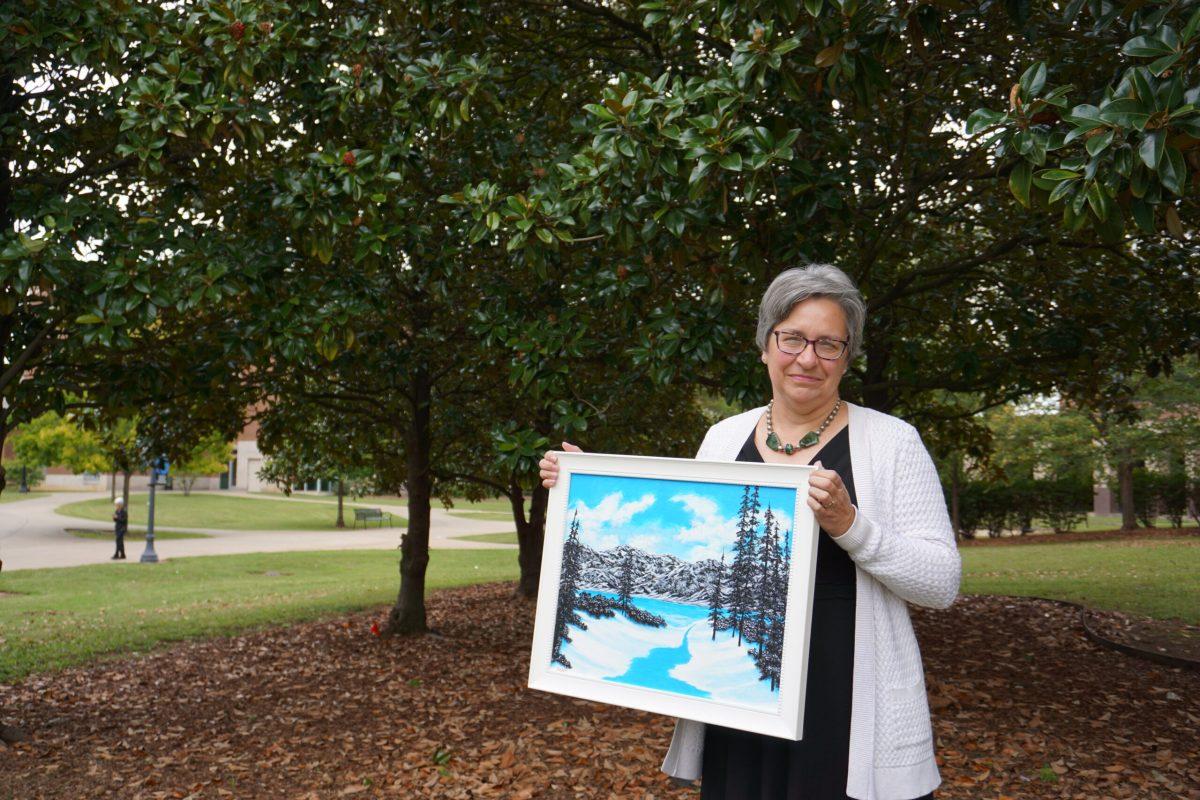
x=120 y=525
x=885 y=539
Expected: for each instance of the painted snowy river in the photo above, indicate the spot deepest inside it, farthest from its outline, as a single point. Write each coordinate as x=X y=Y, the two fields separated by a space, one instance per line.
x=682 y=657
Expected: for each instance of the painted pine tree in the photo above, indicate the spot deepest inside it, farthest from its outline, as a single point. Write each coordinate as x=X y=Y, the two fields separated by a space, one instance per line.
x=775 y=567
x=766 y=581
x=565 y=614
x=743 y=568
x=716 y=602
x=784 y=564
x=625 y=585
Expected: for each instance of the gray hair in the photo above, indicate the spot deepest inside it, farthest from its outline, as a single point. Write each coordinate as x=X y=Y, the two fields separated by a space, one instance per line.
x=816 y=280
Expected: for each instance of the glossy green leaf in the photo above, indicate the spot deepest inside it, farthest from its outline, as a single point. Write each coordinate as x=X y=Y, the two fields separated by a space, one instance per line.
x=1063 y=189
x=1034 y=78
x=1145 y=47
x=1192 y=26
x=1057 y=174
x=1099 y=200
x=1139 y=181
x=981 y=119
x=1019 y=181
x=1098 y=144
x=1161 y=65
x=1126 y=113
x=1172 y=171
x=1151 y=148
x=1143 y=214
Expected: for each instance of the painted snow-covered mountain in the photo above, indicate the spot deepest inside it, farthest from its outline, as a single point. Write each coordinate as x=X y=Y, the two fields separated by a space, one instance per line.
x=654 y=575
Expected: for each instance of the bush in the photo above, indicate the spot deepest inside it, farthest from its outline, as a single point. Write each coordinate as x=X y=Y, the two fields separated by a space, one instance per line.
x=996 y=506
x=1159 y=494
x=1174 y=498
x=1065 y=502
x=12 y=474
x=987 y=505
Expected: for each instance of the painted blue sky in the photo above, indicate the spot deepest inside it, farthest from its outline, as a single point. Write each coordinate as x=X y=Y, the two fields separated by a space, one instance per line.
x=685 y=519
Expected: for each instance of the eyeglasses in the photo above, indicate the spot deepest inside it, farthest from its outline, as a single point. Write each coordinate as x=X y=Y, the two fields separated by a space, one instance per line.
x=792 y=343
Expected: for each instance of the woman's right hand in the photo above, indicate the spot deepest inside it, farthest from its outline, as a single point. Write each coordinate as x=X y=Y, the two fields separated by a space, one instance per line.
x=549 y=464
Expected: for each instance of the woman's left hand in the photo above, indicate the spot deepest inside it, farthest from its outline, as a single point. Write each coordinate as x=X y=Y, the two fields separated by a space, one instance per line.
x=830 y=502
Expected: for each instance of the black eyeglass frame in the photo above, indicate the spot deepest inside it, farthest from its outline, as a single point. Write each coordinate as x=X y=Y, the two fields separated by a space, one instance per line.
x=845 y=343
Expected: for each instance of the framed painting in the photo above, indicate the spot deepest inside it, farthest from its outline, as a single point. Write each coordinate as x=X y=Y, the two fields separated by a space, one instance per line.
x=679 y=587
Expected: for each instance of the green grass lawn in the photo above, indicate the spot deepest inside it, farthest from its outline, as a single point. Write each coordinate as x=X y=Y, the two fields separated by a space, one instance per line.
x=135 y=535
x=11 y=495
x=497 y=516
x=1109 y=522
x=228 y=512
x=53 y=618
x=502 y=538
x=1156 y=578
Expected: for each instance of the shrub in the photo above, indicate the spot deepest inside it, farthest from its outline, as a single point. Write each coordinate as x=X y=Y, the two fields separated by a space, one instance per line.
x=12 y=474
x=996 y=506
x=1158 y=493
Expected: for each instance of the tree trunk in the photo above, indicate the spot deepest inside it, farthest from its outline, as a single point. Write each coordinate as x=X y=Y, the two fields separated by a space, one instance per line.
x=10 y=101
x=1125 y=477
x=876 y=392
x=112 y=485
x=408 y=615
x=341 y=520
x=125 y=477
x=531 y=533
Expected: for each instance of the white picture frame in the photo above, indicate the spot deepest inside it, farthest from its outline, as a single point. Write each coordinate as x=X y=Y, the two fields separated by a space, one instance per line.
x=639 y=535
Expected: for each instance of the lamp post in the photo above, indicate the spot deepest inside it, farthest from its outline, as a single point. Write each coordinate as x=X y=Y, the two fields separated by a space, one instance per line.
x=157 y=467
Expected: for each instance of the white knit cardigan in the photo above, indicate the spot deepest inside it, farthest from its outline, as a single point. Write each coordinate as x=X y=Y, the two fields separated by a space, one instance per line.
x=903 y=547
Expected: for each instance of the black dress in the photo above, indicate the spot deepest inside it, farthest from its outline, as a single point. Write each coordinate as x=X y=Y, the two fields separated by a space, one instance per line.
x=747 y=766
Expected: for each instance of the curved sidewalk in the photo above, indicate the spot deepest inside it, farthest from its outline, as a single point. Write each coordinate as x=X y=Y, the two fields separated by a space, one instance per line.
x=33 y=536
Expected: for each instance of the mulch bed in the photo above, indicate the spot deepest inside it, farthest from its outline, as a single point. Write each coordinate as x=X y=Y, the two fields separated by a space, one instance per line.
x=1165 y=636
x=1025 y=707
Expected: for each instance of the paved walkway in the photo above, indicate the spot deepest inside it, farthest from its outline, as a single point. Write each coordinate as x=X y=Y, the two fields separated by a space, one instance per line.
x=33 y=536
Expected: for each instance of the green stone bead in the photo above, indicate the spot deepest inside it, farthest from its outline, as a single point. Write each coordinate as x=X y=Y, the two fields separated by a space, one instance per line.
x=809 y=439
x=773 y=441
x=787 y=448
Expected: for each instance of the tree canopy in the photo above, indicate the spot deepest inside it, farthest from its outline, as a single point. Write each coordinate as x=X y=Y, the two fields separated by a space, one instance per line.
x=466 y=231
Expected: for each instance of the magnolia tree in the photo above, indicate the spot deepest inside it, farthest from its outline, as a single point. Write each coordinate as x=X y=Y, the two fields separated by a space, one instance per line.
x=453 y=365
x=124 y=129
x=1114 y=153
x=763 y=136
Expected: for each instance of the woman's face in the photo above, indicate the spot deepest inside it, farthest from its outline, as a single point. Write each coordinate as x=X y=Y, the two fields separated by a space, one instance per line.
x=807 y=381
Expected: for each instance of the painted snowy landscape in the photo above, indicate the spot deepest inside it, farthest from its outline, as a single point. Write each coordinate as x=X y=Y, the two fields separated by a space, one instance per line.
x=676 y=586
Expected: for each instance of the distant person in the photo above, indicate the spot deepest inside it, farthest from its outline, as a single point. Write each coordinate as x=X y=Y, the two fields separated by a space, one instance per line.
x=885 y=540
x=120 y=525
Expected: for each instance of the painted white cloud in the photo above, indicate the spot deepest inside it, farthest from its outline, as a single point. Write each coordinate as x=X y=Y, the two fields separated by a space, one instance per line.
x=612 y=511
x=599 y=525
x=711 y=532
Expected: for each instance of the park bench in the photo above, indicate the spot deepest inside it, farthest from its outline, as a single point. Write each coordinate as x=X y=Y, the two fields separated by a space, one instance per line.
x=371 y=515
